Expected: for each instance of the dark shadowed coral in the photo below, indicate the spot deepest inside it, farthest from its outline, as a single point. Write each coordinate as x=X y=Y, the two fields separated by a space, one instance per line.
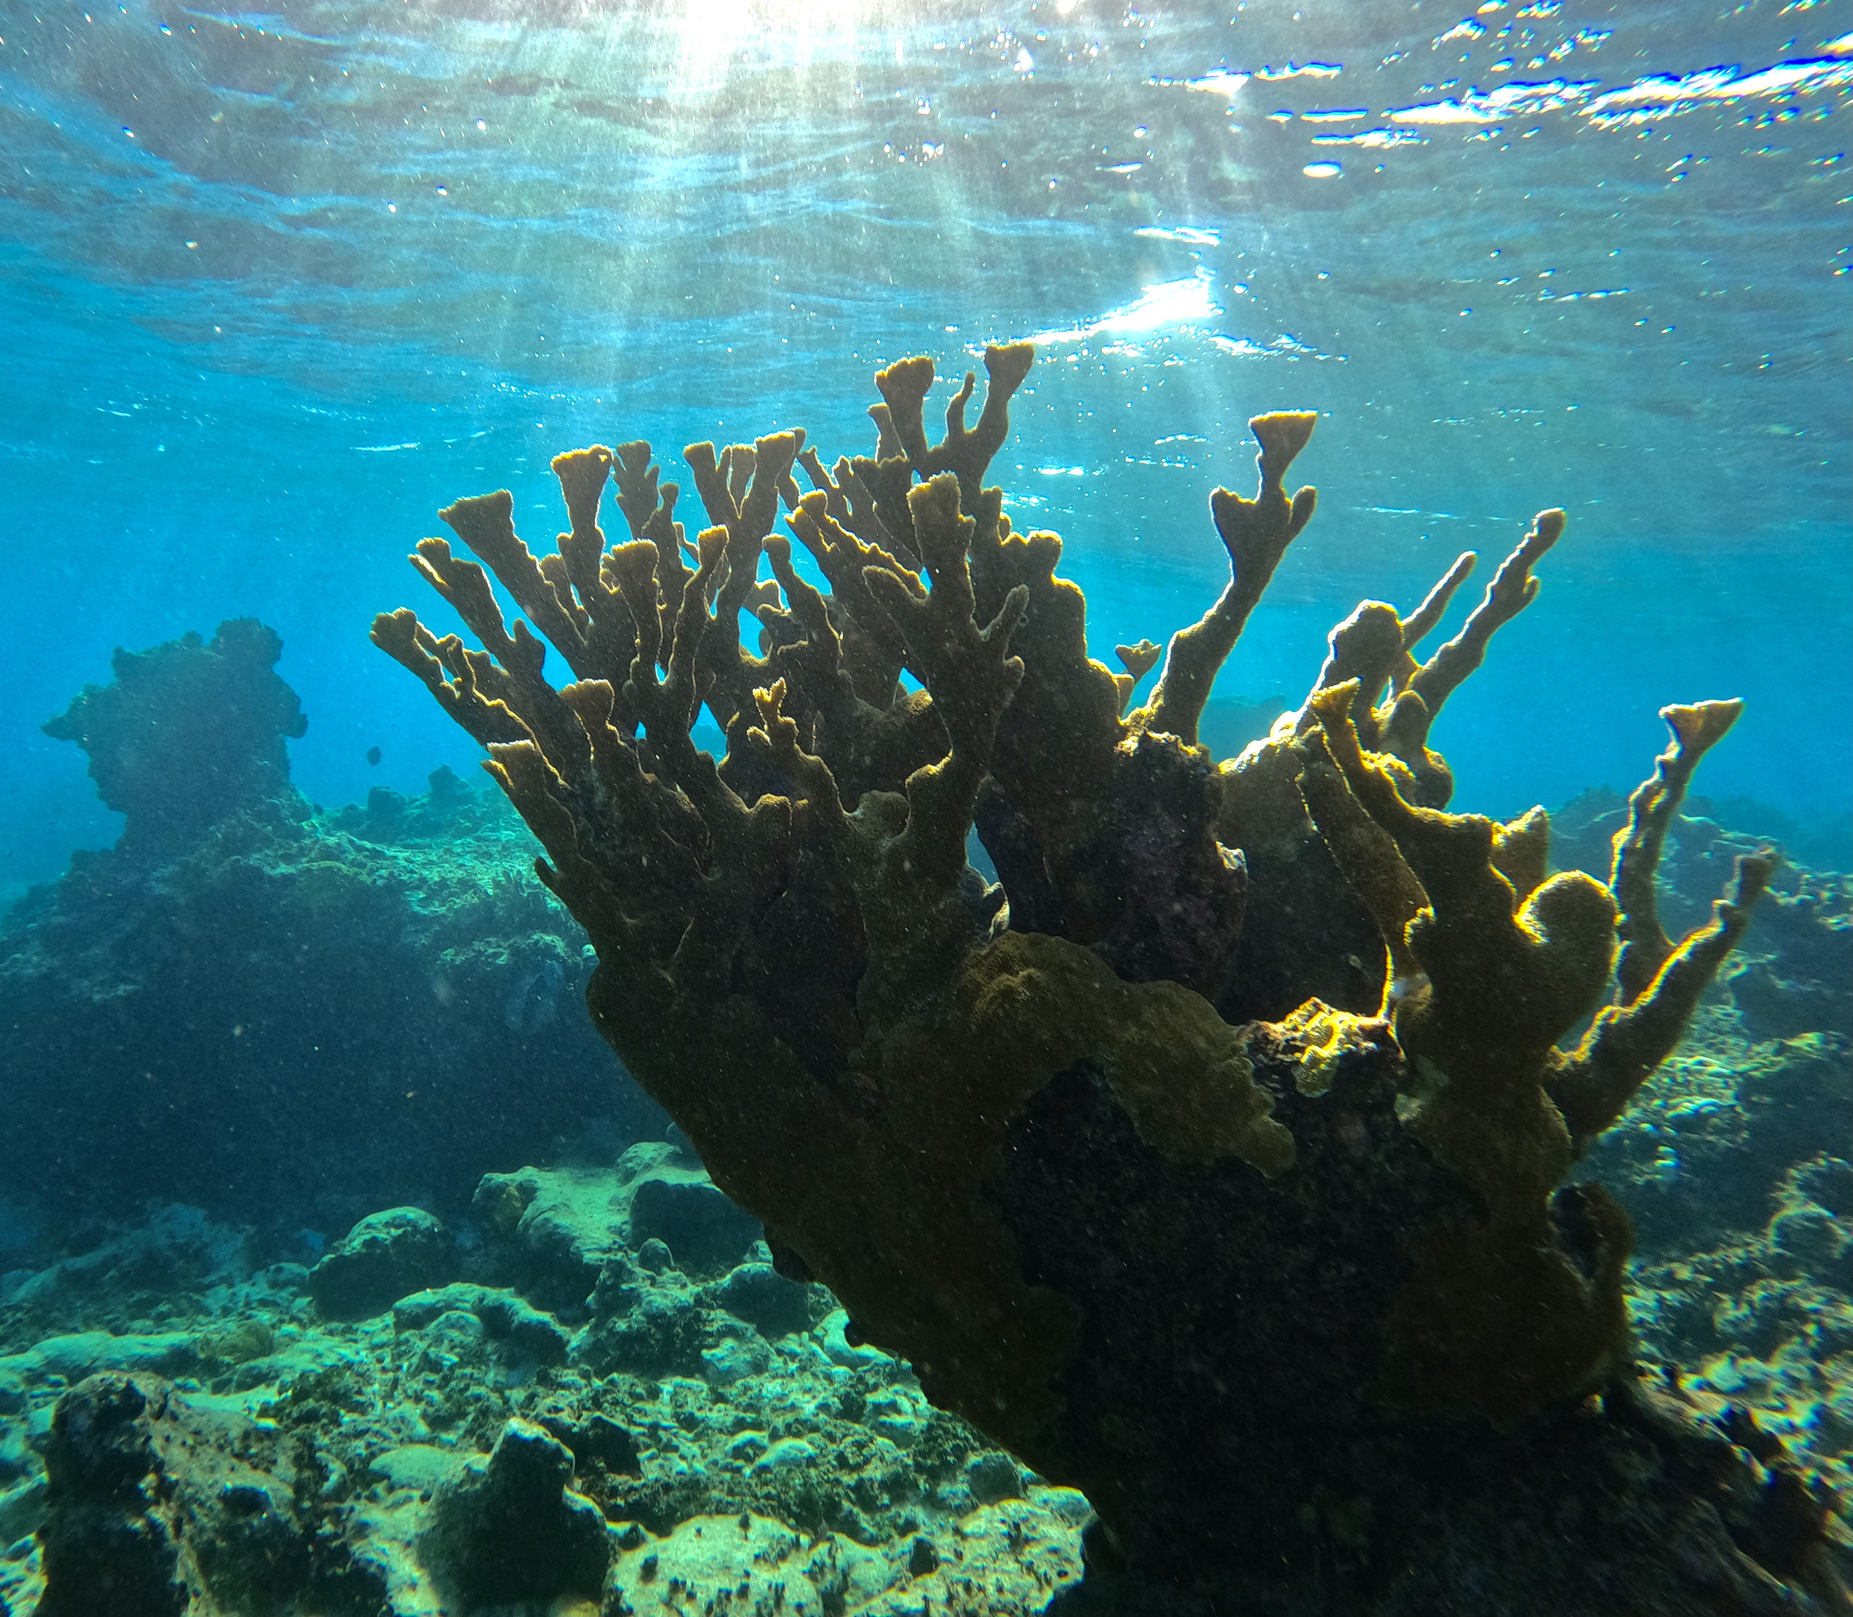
x=215 y=703
x=1260 y=1287
x=159 y=1503
x=206 y=1023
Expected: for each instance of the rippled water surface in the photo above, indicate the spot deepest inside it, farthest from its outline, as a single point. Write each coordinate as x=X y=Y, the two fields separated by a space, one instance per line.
x=277 y=284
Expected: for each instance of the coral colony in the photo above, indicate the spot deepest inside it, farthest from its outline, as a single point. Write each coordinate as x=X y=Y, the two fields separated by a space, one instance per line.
x=1217 y=1158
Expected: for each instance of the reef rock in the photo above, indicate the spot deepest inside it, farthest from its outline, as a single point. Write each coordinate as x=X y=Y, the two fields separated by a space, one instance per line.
x=554 y=1230
x=156 y=1506
x=209 y=1020
x=384 y=1257
x=216 y=703
x=514 y=1530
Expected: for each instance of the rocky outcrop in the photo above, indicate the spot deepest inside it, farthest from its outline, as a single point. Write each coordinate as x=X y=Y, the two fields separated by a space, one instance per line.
x=384 y=1257
x=156 y=1506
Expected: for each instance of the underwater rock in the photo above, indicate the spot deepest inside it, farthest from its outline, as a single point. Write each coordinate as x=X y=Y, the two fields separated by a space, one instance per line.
x=555 y=1230
x=646 y=1325
x=762 y=1297
x=378 y=1417
x=1251 y=1285
x=384 y=1257
x=155 y=1505
x=704 y=1231
x=1699 y=1160
x=1777 y=1007
x=218 y=704
x=515 y=1530
x=529 y=1333
x=1002 y=1561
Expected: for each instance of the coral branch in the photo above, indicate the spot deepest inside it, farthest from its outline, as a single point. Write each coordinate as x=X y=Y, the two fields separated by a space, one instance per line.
x=1423 y=621
x=1256 y=534
x=486 y=524
x=1366 y=853
x=1629 y=1040
x=967 y=454
x=1511 y=591
x=1644 y=944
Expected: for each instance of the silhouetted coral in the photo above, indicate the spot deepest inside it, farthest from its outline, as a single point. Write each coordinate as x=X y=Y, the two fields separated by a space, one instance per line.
x=217 y=704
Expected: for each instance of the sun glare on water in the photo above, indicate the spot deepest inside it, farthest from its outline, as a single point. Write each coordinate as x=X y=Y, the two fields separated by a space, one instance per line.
x=711 y=32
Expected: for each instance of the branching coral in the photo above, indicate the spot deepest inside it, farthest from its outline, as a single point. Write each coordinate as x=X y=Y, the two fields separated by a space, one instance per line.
x=1500 y=963
x=881 y=1055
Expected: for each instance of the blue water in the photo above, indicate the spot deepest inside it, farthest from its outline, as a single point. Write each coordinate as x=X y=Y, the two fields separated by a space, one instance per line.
x=275 y=285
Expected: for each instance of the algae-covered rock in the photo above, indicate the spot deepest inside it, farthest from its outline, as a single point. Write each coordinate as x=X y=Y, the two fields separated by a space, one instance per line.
x=515 y=1530
x=156 y=1504
x=758 y=1294
x=1004 y=1560
x=554 y=1231
x=386 y=1256
x=704 y=1231
x=370 y=1422
x=529 y=1333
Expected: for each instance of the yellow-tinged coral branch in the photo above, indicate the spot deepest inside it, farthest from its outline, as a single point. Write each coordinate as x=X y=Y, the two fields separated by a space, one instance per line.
x=966 y=453
x=403 y=638
x=969 y=672
x=1592 y=1087
x=1522 y=852
x=485 y=522
x=1138 y=661
x=809 y=773
x=1256 y=534
x=1423 y=621
x=1363 y=652
x=1511 y=591
x=1366 y=854
x=1644 y=943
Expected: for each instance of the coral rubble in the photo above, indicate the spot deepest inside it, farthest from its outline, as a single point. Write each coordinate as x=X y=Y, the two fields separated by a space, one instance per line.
x=666 y=1438
x=1213 y=1160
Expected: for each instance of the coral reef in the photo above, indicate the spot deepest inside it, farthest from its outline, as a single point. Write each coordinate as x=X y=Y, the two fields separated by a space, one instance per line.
x=202 y=1012
x=1214 y=1160
x=1733 y=1165
x=464 y=1447
x=218 y=704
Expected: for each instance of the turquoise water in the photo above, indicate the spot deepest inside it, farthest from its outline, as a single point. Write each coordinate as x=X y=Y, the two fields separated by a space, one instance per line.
x=278 y=284
x=301 y=1112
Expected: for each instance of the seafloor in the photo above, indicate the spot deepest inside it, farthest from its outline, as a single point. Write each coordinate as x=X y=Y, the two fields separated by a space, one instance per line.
x=368 y=1368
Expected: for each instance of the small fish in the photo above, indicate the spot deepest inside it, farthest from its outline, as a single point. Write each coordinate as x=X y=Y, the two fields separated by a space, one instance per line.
x=373 y=755
x=1411 y=983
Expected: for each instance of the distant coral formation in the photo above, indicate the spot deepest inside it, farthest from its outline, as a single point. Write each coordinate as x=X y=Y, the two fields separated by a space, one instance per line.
x=218 y=704
x=1213 y=1159
x=238 y=1004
